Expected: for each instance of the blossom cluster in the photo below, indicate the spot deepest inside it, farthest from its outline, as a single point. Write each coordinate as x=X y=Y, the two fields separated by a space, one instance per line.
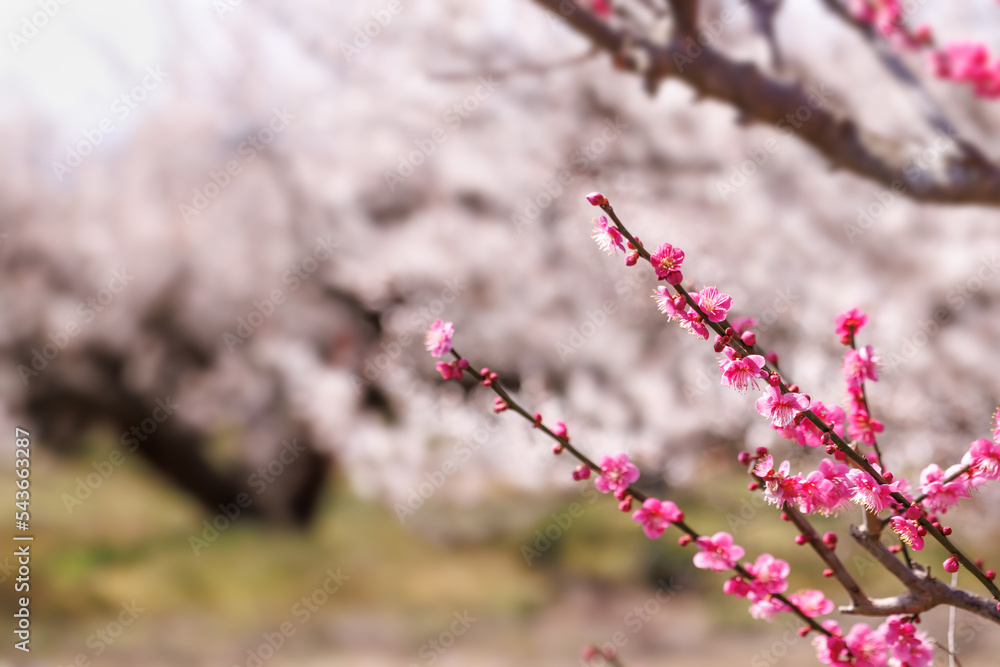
x=828 y=490
x=961 y=62
x=897 y=638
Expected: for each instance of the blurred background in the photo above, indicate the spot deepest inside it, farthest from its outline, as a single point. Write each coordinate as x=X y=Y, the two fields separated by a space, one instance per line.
x=224 y=227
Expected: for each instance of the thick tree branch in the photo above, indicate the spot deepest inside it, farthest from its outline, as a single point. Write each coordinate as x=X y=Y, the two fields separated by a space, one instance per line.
x=948 y=174
x=923 y=591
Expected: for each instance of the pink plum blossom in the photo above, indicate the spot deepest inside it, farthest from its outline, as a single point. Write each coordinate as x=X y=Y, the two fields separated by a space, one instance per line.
x=655 y=515
x=667 y=261
x=691 y=322
x=906 y=645
x=942 y=496
x=970 y=63
x=607 y=236
x=671 y=305
x=832 y=650
x=812 y=603
x=452 y=370
x=860 y=365
x=770 y=575
x=780 y=408
x=849 y=323
x=808 y=434
x=779 y=485
x=717 y=553
x=617 y=472
x=767 y=607
x=863 y=428
x=713 y=303
x=438 y=338
x=602 y=8
x=983 y=459
x=870 y=493
x=867 y=646
x=740 y=373
x=907 y=531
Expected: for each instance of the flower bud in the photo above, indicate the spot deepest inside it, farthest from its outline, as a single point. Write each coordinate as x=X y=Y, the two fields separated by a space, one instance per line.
x=951 y=564
x=597 y=199
x=749 y=338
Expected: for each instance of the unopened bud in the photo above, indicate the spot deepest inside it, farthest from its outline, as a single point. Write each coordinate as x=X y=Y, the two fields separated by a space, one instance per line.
x=597 y=199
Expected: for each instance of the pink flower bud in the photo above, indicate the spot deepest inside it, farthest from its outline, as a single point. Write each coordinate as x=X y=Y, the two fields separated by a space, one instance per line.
x=772 y=358
x=912 y=512
x=597 y=199
x=830 y=540
x=951 y=565
x=749 y=338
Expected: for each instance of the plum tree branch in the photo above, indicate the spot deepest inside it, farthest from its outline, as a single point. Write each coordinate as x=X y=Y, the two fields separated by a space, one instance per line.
x=950 y=174
x=923 y=591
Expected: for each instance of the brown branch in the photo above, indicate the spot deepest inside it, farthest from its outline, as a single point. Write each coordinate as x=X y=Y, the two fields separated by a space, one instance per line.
x=923 y=591
x=955 y=176
x=858 y=598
